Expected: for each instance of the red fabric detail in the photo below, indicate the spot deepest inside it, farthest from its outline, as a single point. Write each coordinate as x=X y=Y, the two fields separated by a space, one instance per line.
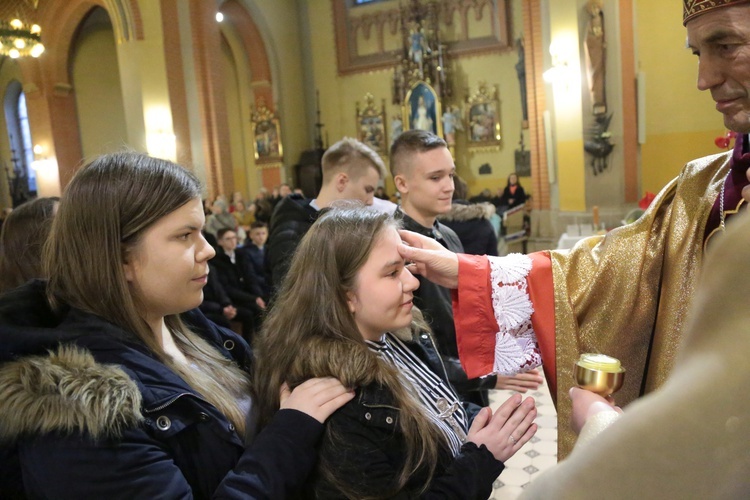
x=542 y=294
x=474 y=317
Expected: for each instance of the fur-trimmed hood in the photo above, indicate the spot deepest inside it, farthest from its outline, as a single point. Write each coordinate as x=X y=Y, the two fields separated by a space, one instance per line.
x=65 y=392
x=72 y=372
x=462 y=212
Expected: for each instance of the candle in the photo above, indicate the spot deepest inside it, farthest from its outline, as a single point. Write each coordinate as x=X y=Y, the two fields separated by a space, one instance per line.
x=600 y=362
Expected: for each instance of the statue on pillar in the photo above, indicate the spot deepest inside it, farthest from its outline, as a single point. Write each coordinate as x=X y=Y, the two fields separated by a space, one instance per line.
x=596 y=57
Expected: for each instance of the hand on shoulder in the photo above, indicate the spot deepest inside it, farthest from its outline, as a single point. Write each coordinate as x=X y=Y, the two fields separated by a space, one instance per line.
x=317 y=397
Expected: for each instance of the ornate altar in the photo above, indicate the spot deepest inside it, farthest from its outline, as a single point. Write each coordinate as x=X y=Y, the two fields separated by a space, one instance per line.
x=371 y=125
x=420 y=80
x=483 y=117
x=266 y=136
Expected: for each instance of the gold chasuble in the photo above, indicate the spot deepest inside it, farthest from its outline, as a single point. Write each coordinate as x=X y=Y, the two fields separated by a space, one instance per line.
x=626 y=294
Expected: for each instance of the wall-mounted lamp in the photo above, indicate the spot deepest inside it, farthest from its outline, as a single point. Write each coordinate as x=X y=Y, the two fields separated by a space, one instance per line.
x=561 y=72
x=161 y=144
x=47 y=173
x=160 y=140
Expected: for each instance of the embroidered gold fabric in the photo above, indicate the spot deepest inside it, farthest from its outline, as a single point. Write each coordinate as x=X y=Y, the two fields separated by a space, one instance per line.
x=626 y=294
x=694 y=8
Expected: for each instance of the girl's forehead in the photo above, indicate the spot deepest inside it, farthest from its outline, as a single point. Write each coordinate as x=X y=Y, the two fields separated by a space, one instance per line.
x=388 y=239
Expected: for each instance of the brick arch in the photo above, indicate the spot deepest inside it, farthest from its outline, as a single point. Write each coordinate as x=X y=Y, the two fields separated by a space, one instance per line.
x=50 y=98
x=254 y=47
x=60 y=23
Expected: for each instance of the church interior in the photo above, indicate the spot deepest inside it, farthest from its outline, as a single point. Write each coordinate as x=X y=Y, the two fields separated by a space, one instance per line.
x=247 y=93
x=592 y=104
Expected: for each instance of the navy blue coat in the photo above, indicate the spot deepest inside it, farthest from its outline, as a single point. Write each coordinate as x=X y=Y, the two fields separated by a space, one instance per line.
x=134 y=429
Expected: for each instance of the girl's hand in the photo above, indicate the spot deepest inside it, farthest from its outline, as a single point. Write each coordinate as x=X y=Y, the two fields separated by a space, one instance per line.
x=520 y=382
x=318 y=397
x=505 y=432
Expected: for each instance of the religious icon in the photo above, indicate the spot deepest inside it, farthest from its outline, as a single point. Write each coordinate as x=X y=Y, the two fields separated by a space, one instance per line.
x=422 y=109
x=422 y=121
x=267 y=134
x=418 y=46
x=483 y=118
x=371 y=124
x=451 y=123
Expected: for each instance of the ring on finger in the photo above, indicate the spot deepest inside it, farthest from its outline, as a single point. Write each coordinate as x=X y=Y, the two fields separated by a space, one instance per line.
x=512 y=439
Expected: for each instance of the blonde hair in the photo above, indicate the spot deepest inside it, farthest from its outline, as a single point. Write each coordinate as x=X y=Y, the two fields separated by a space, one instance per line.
x=340 y=157
x=103 y=214
x=310 y=332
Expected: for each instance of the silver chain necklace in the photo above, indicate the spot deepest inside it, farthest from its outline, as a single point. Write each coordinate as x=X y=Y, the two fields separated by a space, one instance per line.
x=721 y=202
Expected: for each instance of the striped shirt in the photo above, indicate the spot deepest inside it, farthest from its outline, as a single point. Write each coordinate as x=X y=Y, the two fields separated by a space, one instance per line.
x=441 y=403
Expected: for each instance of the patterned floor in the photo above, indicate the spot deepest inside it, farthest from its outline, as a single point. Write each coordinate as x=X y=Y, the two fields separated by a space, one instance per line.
x=537 y=455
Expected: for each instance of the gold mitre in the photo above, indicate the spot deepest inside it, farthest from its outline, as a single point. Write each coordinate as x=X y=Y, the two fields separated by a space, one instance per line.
x=694 y=8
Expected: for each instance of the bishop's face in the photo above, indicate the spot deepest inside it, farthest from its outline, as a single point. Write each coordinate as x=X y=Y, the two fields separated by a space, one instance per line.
x=721 y=40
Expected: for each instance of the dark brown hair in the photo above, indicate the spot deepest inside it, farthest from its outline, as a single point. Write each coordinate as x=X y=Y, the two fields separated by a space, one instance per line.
x=24 y=233
x=102 y=216
x=410 y=142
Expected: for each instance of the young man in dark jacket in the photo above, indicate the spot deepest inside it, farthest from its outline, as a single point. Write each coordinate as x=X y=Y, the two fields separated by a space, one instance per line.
x=239 y=281
x=423 y=171
x=351 y=171
x=255 y=250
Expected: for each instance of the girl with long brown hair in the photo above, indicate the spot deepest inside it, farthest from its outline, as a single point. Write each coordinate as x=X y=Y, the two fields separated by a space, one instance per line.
x=345 y=310
x=112 y=385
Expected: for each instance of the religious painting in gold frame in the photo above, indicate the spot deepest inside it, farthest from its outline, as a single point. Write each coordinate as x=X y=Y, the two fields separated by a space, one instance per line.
x=422 y=110
x=266 y=135
x=483 y=118
x=371 y=125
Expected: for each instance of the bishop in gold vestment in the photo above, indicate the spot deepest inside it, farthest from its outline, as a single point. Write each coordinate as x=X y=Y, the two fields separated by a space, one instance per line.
x=691 y=438
x=624 y=294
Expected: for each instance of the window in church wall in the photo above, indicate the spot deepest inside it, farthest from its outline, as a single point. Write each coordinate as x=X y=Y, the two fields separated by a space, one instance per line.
x=27 y=147
x=21 y=144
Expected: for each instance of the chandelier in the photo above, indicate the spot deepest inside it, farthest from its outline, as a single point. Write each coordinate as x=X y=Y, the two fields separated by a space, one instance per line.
x=18 y=39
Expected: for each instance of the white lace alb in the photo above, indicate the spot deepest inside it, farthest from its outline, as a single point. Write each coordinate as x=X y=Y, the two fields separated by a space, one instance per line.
x=516 y=347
